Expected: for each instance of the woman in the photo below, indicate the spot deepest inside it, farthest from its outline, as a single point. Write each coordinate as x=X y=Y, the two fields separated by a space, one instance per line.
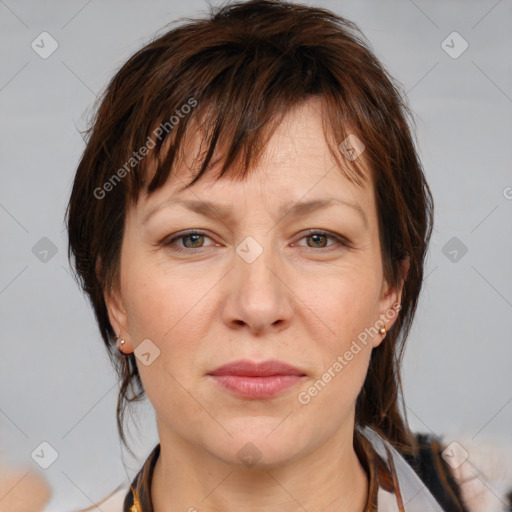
x=249 y=220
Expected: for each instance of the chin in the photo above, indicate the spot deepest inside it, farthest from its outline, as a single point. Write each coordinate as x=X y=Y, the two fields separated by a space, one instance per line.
x=258 y=443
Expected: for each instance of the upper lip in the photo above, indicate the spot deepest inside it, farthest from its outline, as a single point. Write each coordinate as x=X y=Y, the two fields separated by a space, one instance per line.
x=247 y=368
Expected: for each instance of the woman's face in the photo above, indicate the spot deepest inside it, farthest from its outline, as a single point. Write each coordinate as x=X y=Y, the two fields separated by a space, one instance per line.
x=254 y=285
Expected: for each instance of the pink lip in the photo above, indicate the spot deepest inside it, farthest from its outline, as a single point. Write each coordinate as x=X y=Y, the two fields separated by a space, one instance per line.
x=256 y=380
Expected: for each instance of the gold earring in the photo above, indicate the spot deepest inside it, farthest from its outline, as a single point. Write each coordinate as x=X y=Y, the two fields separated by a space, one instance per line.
x=120 y=344
x=382 y=330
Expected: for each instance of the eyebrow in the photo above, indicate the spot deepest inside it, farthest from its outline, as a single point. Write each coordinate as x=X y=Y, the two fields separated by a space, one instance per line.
x=292 y=208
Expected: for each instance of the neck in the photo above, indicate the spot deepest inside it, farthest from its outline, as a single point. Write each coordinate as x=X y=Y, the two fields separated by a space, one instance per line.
x=186 y=478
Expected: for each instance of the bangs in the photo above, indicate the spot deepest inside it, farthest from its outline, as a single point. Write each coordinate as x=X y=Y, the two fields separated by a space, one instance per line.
x=236 y=142
x=230 y=98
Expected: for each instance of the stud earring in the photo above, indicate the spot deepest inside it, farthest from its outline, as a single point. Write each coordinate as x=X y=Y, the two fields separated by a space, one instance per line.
x=120 y=344
x=382 y=330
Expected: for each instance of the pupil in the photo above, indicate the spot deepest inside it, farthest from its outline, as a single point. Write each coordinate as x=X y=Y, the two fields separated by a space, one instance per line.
x=194 y=238
x=315 y=239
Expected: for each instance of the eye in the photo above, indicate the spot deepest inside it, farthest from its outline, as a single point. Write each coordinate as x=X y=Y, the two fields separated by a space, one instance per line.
x=193 y=239
x=190 y=239
x=318 y=239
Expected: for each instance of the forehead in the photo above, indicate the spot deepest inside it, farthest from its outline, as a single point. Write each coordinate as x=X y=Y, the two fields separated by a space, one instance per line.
x=296 y=162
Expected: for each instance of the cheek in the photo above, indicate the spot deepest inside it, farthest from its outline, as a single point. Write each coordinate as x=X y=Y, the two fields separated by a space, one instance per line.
x=341 y=317
x=346 y=303
x=171 y=311
x=175 y=312
x=343 y=357
x=159 y=303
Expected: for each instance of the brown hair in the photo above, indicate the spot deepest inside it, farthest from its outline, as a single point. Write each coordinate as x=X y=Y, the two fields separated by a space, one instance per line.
x=239 y=71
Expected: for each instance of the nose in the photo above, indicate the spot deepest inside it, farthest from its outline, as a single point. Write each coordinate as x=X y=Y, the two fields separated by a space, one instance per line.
x=259 y=297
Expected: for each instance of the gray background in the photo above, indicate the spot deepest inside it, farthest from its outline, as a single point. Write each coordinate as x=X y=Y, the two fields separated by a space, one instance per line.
x=56 y=384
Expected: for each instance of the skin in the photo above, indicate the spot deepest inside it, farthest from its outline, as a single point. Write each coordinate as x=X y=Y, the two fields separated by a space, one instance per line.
x=303 y=300
x=23 y=490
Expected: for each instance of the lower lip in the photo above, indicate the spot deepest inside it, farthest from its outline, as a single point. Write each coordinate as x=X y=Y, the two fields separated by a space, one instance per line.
x=256 y=387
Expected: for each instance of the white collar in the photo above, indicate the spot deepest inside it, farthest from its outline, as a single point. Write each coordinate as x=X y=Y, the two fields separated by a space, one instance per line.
x=415 y=495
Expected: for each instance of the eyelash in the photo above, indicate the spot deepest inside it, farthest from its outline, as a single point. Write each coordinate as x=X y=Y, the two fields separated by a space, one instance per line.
x=341 y=241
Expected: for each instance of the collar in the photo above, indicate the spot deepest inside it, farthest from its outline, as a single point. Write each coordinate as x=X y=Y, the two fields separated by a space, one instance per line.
x=393 y=485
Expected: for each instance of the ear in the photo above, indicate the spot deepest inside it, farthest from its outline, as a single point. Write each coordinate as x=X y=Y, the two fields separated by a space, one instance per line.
x=389 y=303
x=115 y=307
x=117 y=316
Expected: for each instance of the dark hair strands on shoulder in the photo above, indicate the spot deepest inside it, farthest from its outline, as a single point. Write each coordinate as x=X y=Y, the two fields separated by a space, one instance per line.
x=247 y=64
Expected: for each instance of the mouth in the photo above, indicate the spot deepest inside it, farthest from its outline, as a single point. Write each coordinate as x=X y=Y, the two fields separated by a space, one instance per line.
x=249 y=379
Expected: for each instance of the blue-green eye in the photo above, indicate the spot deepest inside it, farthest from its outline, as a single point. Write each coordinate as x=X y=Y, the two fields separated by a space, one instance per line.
x=195 y=240
x=191 y=240
x=319 y=239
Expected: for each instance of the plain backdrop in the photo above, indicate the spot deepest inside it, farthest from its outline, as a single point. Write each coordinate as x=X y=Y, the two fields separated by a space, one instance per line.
x=56 y=383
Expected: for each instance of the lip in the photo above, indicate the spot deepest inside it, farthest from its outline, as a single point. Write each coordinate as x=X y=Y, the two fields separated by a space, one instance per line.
x=256 y=380
x=248 y=368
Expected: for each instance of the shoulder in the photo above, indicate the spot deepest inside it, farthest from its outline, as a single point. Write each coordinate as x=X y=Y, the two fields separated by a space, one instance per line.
x=115 y=502
x=467 y=475
x=428 y=458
